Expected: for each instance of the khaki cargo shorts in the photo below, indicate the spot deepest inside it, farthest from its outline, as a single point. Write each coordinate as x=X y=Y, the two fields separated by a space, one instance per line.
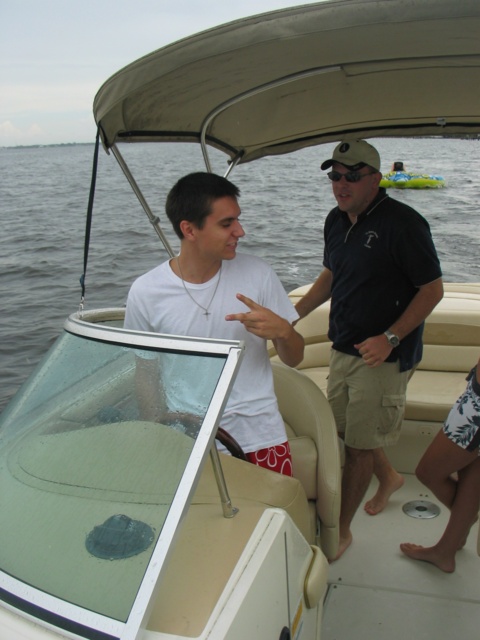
x=368 y=403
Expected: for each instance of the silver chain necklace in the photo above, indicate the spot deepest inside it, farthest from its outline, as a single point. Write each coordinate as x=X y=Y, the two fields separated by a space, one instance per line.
x=206 y=312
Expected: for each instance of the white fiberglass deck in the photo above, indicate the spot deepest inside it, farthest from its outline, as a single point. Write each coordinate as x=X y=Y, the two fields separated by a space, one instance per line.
x=377 y=593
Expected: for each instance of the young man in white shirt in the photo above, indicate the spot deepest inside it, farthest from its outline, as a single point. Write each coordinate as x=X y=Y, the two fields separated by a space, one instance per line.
x=210 y=291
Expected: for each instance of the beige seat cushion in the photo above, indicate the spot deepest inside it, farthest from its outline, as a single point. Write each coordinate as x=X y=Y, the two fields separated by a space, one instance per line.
x=314 y=443
x=304 y=462
x=319 y=375
x=431 y=394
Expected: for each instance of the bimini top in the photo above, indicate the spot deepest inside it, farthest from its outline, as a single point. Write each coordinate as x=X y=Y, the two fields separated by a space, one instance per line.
x=288 y=79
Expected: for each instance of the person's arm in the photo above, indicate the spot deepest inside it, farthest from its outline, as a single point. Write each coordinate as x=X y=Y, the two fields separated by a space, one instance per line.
x=290 y=347
x=421 y=306
x=266 y=324
x=376 y=349
x=319 y=292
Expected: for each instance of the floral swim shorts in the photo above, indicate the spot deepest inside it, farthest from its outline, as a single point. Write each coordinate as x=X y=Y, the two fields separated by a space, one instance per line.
x=276 y=458
x=463 y=423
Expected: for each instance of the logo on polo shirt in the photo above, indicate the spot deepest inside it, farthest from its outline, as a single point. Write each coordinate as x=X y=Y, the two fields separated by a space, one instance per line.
x=371 y=236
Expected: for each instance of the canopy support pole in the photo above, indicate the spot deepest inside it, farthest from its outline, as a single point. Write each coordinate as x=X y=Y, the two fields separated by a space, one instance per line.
x=155 y=220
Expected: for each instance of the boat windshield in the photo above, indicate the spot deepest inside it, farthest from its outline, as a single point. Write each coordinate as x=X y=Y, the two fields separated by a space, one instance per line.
x=99 y=455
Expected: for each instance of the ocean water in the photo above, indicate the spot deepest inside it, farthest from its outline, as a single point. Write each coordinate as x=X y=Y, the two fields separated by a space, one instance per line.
x=44 y=194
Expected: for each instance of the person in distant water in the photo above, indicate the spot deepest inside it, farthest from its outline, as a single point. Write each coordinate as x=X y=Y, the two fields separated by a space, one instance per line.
x=210 y=291
x=383 y=276
x=455 y=449
x=398 y=166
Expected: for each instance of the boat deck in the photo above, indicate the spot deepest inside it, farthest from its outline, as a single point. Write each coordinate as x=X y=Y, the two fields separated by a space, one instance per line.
x=361 y=602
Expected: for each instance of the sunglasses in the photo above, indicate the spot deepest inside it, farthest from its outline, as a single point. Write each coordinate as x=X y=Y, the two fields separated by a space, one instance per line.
x=351 y=176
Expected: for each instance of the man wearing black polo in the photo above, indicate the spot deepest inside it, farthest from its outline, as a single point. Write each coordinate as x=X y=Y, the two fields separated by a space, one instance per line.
x=383 y=276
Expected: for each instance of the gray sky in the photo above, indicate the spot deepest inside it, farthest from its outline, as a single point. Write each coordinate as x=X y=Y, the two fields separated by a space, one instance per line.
x=55 y=54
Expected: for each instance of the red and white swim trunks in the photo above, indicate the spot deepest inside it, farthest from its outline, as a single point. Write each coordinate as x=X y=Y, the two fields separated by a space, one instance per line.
x=277 y=458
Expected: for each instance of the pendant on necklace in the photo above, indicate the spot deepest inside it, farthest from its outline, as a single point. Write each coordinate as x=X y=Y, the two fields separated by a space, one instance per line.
x=206 y=311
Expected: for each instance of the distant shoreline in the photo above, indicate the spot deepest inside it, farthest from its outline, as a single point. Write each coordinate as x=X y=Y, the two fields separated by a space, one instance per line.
x=472 y=136
x=43 y=146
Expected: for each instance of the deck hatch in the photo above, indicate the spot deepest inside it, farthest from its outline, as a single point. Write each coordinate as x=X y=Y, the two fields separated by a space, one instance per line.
x=422 y=509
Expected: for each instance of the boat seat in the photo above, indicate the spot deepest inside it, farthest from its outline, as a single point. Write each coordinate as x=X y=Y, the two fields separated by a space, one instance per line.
x=315 y=450
x=451 y=345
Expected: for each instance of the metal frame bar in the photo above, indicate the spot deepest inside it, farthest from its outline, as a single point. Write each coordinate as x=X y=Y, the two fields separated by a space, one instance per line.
x=155 y=220
x=248 y=94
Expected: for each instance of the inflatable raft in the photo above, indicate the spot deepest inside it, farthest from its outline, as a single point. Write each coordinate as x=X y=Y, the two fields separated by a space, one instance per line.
x=402 y=180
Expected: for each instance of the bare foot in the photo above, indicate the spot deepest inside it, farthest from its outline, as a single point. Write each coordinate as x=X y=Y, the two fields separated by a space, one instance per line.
x=428 y=554
x=384 y=491
x=343 y=545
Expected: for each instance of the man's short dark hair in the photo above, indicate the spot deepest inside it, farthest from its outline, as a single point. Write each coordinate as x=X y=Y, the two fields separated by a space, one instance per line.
x=192 y=198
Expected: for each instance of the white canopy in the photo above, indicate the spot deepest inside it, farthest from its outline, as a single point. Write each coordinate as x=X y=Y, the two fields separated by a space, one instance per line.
x=288 y=79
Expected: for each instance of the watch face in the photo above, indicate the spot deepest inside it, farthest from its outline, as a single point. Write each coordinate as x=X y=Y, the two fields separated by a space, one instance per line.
x=392 y=339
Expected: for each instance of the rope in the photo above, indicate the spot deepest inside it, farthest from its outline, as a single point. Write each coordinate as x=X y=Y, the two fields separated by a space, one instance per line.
x=89 y=218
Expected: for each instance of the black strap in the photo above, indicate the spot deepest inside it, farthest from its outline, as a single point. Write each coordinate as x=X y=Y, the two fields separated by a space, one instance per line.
x=89 y=216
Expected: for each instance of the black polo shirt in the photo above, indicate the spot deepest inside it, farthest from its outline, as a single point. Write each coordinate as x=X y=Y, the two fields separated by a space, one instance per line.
x=377 y=266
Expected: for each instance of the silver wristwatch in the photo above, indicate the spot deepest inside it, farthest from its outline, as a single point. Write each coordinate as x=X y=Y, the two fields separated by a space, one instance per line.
x=393 y=340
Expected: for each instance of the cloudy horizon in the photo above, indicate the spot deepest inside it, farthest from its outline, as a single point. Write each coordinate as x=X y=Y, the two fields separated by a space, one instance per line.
x=55 y=55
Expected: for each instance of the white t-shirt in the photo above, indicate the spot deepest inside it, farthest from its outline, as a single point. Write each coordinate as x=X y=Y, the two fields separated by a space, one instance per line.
x=157 y=302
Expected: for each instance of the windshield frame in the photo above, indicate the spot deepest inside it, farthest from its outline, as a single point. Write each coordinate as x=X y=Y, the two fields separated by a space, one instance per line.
x=71 y=618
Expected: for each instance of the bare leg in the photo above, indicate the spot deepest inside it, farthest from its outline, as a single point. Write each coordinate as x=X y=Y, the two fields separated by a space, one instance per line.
x=357 y=473
x=389 y=482
x=443 y=457
x=463 y=515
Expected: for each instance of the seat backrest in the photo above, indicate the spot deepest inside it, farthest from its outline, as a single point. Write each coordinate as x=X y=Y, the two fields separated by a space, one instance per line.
x=314 y=444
